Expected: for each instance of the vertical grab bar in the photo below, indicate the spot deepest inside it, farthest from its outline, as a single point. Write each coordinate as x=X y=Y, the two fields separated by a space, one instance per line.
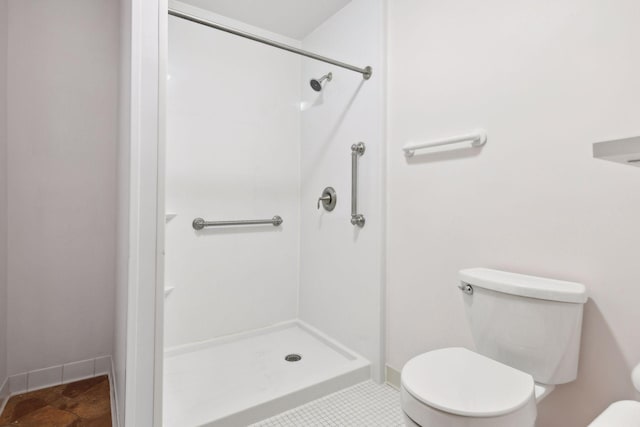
x=356 y=150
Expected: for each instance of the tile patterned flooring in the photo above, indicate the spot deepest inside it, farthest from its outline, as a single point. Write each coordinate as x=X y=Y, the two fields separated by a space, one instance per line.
x=86 y=404
x=366 y=404
x=79 y=404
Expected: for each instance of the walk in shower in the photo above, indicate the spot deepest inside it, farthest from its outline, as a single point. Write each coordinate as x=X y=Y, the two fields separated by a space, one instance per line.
x=274 y=207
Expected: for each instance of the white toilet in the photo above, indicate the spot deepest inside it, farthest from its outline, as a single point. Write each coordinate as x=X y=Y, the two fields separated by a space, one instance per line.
x=527 y=334
x=623 y=412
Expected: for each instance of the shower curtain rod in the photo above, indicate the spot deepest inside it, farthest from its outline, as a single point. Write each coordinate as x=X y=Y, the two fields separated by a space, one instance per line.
x=366 y=72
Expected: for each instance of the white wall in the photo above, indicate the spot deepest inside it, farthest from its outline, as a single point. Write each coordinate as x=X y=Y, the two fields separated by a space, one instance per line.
x=546 y=79
x=3 y=191
x=233 y=138
x=341 y=277
x=62 y=130
x=123 y=206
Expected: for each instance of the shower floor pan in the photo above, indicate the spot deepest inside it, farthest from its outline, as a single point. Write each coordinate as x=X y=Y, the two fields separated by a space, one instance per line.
x=241 y=379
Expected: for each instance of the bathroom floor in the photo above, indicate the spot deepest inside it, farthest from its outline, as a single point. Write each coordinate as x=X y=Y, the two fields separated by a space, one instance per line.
x=82 y=403
x=365 y=404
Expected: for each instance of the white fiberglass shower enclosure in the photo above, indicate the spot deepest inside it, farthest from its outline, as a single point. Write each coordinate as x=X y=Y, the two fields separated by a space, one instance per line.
x=248 y=138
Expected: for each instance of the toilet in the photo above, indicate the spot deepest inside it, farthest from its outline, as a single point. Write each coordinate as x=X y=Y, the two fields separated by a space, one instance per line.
x=526 y=331
x=623 y=412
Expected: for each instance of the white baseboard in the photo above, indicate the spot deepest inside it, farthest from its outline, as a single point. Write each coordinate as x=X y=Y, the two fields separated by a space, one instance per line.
x=4 y=394
x=58 y=375
x=393 y=377
x=115 y=419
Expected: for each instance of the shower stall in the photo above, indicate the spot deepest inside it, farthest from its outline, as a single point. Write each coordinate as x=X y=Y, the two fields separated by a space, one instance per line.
x=273 y=189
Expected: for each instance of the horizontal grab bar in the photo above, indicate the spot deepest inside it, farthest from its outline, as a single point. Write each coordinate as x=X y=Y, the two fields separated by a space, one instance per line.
x=477 y=139
x=199 y=223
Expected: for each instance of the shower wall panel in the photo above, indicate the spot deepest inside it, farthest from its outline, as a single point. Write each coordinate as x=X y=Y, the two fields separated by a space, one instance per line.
x=233 y=138
x=342 y=268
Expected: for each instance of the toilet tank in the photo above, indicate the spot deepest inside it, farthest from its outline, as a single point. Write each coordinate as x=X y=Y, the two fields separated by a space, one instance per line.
x=530 y=323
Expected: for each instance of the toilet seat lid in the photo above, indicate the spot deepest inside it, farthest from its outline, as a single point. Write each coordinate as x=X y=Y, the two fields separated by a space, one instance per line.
x=461 y=382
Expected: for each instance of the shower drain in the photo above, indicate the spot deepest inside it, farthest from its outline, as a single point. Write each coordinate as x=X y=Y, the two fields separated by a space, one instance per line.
x=292 y=357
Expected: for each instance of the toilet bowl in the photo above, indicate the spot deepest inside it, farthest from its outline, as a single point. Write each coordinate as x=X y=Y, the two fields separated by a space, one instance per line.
x=527 y=335
x=453 y=386
x=622 y=413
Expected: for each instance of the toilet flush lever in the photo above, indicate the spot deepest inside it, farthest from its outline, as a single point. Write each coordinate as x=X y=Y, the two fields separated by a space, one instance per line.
x=328 y=199
x=466 y=288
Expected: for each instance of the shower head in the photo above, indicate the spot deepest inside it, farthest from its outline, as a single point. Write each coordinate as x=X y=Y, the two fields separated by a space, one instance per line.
x=316 y=84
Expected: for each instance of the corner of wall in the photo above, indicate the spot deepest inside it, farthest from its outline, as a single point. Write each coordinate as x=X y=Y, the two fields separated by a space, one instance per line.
x=113 y=387
x=346 y=35
x=122 y=245
x=3 y=197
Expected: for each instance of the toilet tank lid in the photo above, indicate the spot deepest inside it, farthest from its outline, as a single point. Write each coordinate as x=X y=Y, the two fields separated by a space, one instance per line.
x=525 y=286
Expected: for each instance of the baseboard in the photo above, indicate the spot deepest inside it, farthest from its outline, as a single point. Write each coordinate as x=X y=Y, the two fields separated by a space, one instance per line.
x=61 y=374
x=4 y=394
x=392 y=377
x=115 y=412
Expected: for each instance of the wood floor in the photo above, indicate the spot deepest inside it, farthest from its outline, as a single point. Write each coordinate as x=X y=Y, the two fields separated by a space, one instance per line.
x=83 y=403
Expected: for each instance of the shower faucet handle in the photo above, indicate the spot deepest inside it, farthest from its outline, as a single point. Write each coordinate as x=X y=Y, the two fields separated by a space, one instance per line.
x=328 y=199
x=323 y=199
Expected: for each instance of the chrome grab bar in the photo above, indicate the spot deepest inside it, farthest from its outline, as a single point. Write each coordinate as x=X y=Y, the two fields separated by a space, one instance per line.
x=199 y=223
x=356 y=150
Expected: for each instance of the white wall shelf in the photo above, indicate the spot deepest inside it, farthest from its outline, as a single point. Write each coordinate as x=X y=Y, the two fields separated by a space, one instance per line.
x=476 y=138
x=625 y=151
